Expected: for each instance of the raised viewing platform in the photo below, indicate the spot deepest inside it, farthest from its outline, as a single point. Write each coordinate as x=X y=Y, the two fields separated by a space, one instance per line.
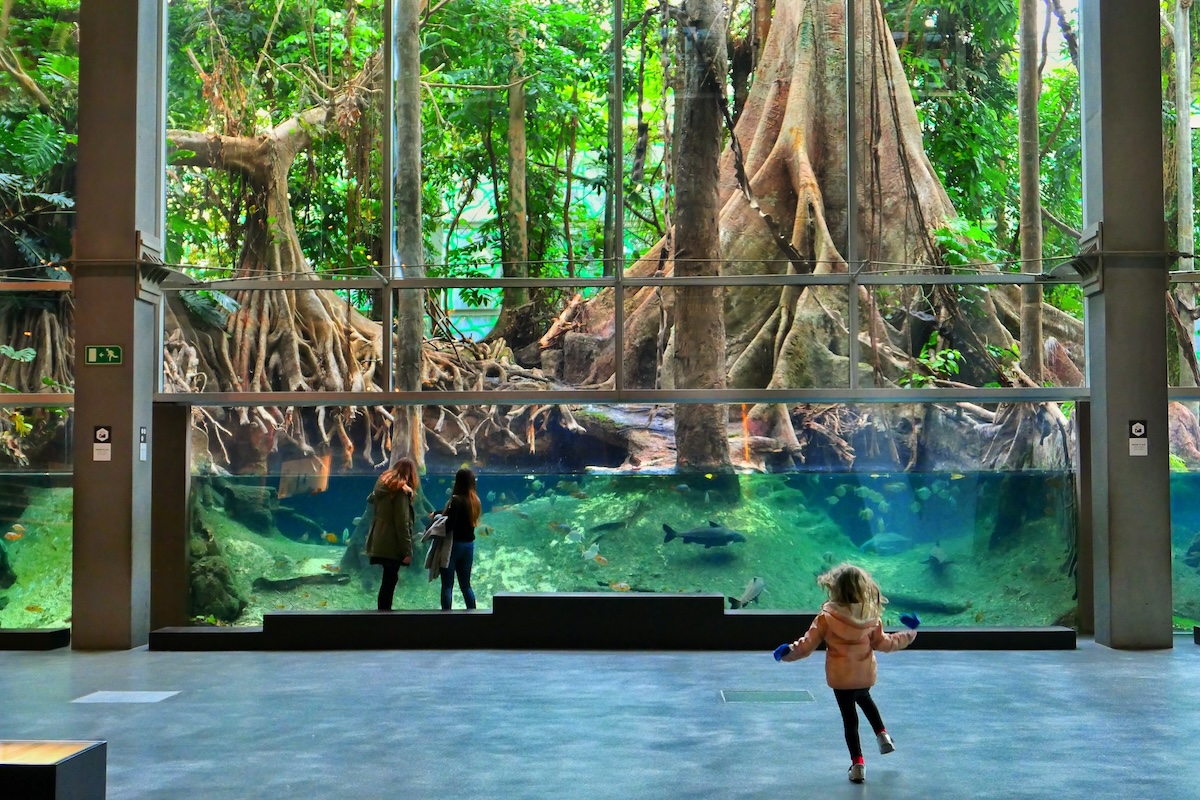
x=34 y=638
x=569 y=621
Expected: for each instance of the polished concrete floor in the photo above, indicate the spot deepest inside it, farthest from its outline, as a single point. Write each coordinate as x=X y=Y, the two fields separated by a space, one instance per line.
x=1092 y=723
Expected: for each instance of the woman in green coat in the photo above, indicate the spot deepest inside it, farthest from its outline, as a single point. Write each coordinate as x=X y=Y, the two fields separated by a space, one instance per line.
x=390 y=541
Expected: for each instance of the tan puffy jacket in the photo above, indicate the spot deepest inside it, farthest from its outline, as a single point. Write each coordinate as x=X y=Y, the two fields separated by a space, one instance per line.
x=850 y=645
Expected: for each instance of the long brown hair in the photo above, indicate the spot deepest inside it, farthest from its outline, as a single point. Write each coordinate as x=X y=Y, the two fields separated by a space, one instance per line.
x=402 y=473
x=464 y=486
x=848 y=585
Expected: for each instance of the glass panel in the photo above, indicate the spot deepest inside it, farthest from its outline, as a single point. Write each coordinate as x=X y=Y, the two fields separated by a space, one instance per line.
x=1185 y=547
x=961 y=335
x=261 y=89
x=259 y=340
x=35 y=517
x=36 y=342
x=514 y=137
x=918 y=495
x=38 y=137
x=810 y=354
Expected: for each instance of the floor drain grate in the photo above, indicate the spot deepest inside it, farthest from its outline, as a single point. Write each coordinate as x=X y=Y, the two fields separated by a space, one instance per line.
x=755 y=696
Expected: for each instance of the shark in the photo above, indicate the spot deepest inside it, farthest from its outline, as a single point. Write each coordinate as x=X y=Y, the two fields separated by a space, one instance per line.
x=713 y=536
x=886 y=544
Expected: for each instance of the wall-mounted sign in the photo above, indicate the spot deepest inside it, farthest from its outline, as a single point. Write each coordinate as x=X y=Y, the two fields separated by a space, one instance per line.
x=1139 y=445
x=102 y=443
x=102 y=354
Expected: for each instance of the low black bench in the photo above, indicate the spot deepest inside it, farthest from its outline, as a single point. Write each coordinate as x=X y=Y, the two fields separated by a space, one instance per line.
x=1196 y=634
x=34 y=638
x=569 y=621
x=49 y=770
x=206 y=639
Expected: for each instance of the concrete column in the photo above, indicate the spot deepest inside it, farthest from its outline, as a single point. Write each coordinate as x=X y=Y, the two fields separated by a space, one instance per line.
x=119 y=226
x=1126 y=321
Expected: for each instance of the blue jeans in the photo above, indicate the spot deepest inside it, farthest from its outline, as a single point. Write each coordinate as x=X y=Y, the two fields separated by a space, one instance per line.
x=462 y=556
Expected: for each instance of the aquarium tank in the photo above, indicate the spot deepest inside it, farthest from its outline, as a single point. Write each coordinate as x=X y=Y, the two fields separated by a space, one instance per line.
x=961 y=546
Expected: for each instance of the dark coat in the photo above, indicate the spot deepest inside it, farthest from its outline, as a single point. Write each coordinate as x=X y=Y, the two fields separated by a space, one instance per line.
x=391 y=534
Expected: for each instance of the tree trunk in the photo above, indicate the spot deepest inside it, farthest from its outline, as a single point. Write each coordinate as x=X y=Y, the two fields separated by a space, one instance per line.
x=1028 y=89
x=407 y=437
x=517 y=223
x=700 y=437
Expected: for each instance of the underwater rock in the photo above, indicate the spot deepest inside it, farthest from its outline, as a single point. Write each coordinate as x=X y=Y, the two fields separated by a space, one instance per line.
x=3 y=603
x=7 y=576
x=354 y=559
x=293 y=524
x=213 y=591
x=580 y=351
x=253 y=506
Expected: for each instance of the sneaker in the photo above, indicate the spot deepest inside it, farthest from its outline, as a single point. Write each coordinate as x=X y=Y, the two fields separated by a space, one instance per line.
x=886 y=745
x=858 y=773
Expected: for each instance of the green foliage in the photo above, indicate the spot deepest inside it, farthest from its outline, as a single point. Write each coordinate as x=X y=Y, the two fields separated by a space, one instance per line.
x=965 y=243
x=939 y=362
x=1177 y=463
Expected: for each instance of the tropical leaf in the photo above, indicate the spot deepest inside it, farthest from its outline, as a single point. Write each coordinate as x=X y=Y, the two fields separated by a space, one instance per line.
x=35 y=252
x=56 y=199
x=211 y=307
x=37 y=144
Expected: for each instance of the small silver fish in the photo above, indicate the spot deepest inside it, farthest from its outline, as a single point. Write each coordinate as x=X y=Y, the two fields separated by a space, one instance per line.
x=750 y=595
x=575 y=536
x=591 y=553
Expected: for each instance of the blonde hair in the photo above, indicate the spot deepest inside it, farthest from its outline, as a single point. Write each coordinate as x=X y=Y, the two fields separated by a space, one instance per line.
x=848 y=585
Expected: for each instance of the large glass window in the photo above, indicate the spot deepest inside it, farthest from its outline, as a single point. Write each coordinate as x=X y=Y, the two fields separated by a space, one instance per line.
x=585 y=499
x=692 y=253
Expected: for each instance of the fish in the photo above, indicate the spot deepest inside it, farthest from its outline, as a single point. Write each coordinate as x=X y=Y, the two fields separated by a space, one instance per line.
x=832 y=500
x=883 y=507
x=866 y=514
x=518 y=514
x=886 y=544
x=491 y=497
x=895 y=487
x=485 y=530
x=957 y=476
x=979 y=616
x=607 y=526
x=591 y=552
x=580 y=495
x=840 y=491
x=331 y=568
x=936 y=559
x=323 y=603
x=332 y=538
x=34 y=609
x=559 y=527
x=18 y=527
x=346 y=534
x=13 y=536
x=575 y=537
x=681 y=488
x=537 y=486
x=923 y=493
x=713 y=536
x=914 y=507
x=599 y=559
x=304 y=537
x=619 y=586
x=750 y=594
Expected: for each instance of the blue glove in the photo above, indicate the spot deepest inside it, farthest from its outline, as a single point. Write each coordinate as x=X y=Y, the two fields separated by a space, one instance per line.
x=910 y=620
x=782 y=651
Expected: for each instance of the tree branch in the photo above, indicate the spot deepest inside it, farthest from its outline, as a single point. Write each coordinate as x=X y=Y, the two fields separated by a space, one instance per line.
x=211 y=151
x=1062 y=226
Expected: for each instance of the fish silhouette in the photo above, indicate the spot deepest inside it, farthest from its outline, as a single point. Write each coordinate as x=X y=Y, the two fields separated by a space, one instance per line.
x=753 y=589
x=713 y=536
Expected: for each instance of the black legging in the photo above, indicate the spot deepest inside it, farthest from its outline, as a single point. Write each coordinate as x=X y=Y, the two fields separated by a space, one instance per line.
x=846 y=698
x=387 y=589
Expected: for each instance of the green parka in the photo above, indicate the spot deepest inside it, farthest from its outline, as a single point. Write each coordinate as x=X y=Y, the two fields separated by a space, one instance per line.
x=391 y=534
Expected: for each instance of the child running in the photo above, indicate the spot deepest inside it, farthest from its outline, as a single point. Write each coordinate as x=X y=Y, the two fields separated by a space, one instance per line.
x=851 y=628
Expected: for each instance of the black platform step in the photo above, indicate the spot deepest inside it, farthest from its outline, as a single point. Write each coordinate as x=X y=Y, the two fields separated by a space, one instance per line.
x=569 y=621
x=205 y=639
x=1196 y=634
x=34 y=638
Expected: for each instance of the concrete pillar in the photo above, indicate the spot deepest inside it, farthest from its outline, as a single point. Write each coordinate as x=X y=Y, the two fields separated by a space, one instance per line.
x=119 y=232
x=1121 y=85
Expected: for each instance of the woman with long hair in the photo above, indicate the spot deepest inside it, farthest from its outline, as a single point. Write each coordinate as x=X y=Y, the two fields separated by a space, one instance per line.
x=462 y=515
x=390 y=541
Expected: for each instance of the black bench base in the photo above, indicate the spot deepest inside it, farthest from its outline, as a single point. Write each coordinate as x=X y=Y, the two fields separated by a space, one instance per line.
x=566 y=621
x=81 y=775
x=34 y=638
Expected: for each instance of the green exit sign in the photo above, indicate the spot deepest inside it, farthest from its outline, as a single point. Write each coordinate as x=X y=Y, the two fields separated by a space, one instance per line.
x=102 y=354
